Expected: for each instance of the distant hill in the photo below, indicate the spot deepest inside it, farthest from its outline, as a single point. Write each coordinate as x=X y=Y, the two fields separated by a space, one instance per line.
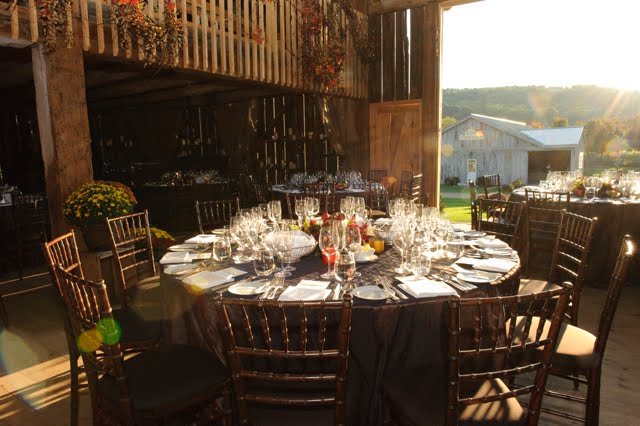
x=539 y=103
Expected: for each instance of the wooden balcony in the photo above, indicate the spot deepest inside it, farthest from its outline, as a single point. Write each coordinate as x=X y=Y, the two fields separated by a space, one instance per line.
x=217 y=39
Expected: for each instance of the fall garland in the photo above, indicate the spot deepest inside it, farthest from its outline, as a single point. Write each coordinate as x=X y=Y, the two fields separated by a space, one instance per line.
x=55 y=16
x=160 y=41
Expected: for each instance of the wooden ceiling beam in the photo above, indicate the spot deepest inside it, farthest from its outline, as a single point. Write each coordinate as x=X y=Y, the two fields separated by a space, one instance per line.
x=388 y=6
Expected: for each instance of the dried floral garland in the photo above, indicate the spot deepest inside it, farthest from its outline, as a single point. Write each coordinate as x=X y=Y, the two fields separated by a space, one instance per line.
x=55 y=16
x=160 y=41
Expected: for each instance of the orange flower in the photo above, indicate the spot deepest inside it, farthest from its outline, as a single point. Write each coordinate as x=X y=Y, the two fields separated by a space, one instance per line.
x=171 y=6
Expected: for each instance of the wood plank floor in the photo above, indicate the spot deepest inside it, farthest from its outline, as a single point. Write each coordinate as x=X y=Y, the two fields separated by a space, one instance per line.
x=34 y=373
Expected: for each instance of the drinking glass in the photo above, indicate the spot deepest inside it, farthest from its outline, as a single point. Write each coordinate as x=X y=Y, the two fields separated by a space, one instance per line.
x=455 y=246
x=345 y=268
x=353 y=241
x=283 y=243
x=328 y=245
x=263 y=262
x=276 y=210
x=300 y=210
x=402 y=233
x=222 y=248
x=419 y=263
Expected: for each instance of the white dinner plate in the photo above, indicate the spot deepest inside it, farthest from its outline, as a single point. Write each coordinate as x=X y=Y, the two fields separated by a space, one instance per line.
x=471 y=278
x=474 y=234
x=184 y=247
x=247 y=288
x=370 y=292
x=499 y=252
x=180 y=269
x=368 y=259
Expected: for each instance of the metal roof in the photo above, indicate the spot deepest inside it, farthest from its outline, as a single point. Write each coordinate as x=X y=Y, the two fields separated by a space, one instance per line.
x=555 y=137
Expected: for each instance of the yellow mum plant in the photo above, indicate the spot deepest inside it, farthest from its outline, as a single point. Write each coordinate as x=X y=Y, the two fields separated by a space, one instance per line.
x=94 y=201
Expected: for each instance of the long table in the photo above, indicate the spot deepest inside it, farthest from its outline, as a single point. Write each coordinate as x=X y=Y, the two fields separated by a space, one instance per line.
x=386 y=337
x=616 y=218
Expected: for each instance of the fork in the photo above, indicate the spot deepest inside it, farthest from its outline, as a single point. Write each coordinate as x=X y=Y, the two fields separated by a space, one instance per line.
x=277 y=284
x=387 y=284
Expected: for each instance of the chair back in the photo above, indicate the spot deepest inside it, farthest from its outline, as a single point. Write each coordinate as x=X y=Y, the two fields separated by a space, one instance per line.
x=618 y=279
x=377 y=197
x=571 y=255
x=63 y=251
x=95 y=331
x=280 y=352
x=291 y=203
x=405 y=184
x=474 y=204
x=376 y=175
x=261 y=192
x=478 y=337
x=212 y=214
x=502 y=219
x=553 y=200
x=132 y=248
x=31 y=217
x=492 y=186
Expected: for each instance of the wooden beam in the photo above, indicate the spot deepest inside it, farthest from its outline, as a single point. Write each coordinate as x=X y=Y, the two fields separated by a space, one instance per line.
x=431 y=100
x=63 y=123
x=388 y=6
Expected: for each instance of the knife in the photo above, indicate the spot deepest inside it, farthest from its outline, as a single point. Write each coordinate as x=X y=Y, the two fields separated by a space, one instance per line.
x=336 y=292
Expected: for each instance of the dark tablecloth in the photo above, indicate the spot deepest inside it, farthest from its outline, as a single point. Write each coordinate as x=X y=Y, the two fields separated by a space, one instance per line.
x=616 y=218
x=386 y=337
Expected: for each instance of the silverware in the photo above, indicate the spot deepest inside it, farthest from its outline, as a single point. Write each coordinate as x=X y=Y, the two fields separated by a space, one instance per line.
x=387 y=283
x=336 y=292
x=277 y=284
x=386 y=290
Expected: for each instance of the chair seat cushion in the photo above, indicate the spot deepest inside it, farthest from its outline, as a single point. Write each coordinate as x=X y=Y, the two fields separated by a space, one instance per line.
x=575 y=346
x=167 y=376
x=421 y=396
x=528 y=286
x=134 y=328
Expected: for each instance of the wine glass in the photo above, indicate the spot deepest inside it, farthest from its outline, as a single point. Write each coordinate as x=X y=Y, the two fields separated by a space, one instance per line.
x=345 y=268
x=263 y=262
x=283 y=243
x=418 y=262
x=327 y=241
x=455 y=246
x=353 y=240
x=300 y=210
x=402 y=233
x=222 y=248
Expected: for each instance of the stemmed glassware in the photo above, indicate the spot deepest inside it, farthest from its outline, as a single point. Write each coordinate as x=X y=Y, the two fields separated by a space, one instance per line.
x=353 y=242
x=345 y=268
x=419 y=263
x=300 y=210
x=283 y=243
x=402 y=233
x=328 y=241
x=221 y=250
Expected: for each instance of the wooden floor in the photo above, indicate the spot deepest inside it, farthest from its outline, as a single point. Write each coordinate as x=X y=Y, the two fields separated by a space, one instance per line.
x=34 y=379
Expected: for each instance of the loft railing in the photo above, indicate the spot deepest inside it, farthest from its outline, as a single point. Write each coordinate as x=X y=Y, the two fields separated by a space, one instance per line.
x=217 y=39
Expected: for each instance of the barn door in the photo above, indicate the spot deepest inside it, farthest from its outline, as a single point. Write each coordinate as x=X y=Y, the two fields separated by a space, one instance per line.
x=395 y=141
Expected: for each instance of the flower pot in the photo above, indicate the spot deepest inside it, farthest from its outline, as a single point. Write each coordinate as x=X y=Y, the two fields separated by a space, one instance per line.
x=96 y=237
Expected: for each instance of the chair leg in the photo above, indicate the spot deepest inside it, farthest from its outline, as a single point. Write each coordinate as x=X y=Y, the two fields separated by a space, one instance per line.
x=74 y=375
x=4 y=317
x=227 y=406
x=593 y=399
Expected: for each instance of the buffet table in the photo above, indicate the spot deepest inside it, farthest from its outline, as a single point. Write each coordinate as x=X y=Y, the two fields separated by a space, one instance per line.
x=616 y=217
x=386 y=335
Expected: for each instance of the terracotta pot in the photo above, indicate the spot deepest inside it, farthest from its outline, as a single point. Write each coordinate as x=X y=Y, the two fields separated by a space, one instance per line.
x=96 y=237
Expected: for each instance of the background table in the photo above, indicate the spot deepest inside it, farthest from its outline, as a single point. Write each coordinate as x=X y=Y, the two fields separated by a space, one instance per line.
x=386 y=337
x=616 y=217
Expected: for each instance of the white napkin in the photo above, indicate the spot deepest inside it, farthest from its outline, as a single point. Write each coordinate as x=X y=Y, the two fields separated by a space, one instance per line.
x=198 y=256
x=467 y=261
x=318 y=285
x=233 y=272
x=420 y=287
x=384 y=221
x=208 y=279
x=494 y=265
x=303 y=293
x=201 y=239
x=174 y=257
x=491 y=242
x=300 y=239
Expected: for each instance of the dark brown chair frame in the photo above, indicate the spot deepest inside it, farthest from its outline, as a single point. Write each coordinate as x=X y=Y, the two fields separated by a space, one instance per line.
x=502 y=219
x=555 y=200
x=489 y=183
x=88 y=309
x=30 y=214
x=593 y=375
x=406 y=181
x=133 y=251
x=254 y=350
x=376 y=175
x=474 y=204
x=212 y=214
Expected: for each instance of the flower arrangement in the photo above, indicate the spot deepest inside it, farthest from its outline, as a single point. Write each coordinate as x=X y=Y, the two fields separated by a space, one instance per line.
x=161 y=241
x=327 y=220
x=55 y=16
x=122 y=186
x=160 y=41
x=93 y=202
x=578 y=186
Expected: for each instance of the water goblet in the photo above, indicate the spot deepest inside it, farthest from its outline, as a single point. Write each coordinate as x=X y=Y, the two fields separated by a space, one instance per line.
x=328 y=245
x=263 y=262
x=345 y=268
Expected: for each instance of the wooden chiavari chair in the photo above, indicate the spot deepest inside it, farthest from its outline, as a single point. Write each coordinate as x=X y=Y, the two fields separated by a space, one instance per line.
x=569 y=261
x=555 y=200
x=136 y=334
x=376 y=175
x=474 y=204
x=580 y=353
x=148 y=387
x=405 y=184
x=492 y=187
x=137 y=278
x=31 y=219
x=502 y=219
x=287 y=355
x=213 y=214
x=475 y=389
x=377 y=199
x=262 y=192
x=291 y=203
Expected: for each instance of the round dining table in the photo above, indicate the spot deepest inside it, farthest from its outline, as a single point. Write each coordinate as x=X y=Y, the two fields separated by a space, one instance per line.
x=616 y=218
x=386 y=336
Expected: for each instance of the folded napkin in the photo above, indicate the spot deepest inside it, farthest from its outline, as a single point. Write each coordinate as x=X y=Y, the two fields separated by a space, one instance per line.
x=208 y=279
x=303 y=293
x=420 y=287
x=174 y=257
x=201 y=239
x=318 y=285
x=385 y=221
x=491 y=242
x=494 y=265
x=198 y=256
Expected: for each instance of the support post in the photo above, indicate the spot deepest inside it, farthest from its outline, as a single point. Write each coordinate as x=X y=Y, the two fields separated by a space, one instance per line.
x=63 y=123
x=431 y=101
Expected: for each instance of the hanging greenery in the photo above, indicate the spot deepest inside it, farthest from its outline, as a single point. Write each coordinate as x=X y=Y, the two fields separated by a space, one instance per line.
x=160 y=41
x=55 y=16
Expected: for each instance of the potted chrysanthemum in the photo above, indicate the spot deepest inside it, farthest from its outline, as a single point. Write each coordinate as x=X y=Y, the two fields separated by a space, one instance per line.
x=88 y=206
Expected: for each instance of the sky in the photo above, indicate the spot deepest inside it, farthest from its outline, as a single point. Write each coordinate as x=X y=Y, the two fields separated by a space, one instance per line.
x=494 y=43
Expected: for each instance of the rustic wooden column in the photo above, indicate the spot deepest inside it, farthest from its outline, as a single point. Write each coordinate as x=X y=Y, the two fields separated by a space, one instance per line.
x=63 y=123
x=431 y=100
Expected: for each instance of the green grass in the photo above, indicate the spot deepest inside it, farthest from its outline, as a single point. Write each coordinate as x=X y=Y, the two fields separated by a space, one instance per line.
x=461 y=189
x=457 y=210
